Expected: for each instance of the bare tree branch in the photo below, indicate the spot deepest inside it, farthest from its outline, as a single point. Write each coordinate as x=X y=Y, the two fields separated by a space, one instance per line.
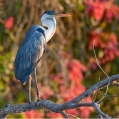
x=103 y=72
x=97 y=61
x=95 y=87
x=59 y=108
x=64 y=114
x=99 y=111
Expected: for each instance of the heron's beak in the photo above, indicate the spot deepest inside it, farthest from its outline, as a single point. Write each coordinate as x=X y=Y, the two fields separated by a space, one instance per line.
x=62 y=15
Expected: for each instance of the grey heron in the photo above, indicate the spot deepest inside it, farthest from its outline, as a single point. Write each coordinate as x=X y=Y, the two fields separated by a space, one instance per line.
x=33 y=47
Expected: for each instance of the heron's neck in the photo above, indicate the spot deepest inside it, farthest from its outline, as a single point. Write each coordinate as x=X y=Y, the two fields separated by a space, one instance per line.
x=51 y=25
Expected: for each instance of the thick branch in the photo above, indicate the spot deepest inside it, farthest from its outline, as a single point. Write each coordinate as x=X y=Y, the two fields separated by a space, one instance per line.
x=43 y=104
x=58 y=108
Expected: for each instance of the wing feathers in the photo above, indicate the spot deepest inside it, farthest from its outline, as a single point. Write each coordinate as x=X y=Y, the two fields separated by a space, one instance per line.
x=29 y=54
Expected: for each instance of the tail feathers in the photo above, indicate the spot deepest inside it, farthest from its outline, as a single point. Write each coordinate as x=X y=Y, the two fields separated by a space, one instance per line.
x=23 y=80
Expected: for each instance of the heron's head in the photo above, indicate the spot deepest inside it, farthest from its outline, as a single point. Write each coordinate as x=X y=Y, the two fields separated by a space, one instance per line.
x=50 y=14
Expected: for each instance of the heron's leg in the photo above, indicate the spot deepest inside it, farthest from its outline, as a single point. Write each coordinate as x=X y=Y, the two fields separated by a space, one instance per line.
x=35 y=78
x=30 y=88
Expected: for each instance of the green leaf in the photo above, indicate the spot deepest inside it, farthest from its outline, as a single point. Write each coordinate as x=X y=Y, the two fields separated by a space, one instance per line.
x=81 y=7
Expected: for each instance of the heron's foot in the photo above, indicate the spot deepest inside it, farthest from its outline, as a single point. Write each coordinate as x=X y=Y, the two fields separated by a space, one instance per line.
x=7 y=105
x=38 y=99
x=29 y=104
x=29 y=101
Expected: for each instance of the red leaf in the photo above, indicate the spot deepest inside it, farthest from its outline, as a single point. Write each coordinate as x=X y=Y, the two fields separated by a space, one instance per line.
x=8 y=23
x=34 y=114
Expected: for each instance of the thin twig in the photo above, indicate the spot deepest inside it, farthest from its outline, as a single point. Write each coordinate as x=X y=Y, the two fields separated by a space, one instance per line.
x=64 y=114
x=74 y=116
x=97 y=60
x=103 y=72
x=115 y=95
x=99 y=111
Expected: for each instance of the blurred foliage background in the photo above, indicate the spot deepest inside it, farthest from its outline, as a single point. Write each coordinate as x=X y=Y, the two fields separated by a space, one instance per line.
x=68 y=68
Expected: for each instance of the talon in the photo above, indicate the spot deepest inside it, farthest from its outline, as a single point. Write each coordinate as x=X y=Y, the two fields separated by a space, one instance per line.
x=29 y=104
x=29 y=101
x=8 y=105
